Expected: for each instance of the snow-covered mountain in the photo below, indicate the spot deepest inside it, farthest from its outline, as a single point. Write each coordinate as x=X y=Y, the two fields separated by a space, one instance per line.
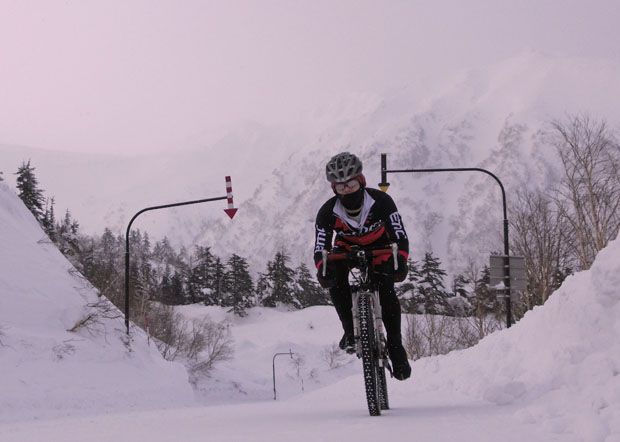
x=49 y=371
x=492 y=117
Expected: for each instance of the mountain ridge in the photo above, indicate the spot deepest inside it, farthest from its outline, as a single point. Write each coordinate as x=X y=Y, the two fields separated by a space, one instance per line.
x=493 y=117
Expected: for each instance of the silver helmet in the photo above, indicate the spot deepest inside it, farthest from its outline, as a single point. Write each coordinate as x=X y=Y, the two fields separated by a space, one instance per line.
x=342 y=167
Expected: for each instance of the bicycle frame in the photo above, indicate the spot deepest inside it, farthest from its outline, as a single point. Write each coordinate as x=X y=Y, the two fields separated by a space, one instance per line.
x=370 y=344
x=366 y=286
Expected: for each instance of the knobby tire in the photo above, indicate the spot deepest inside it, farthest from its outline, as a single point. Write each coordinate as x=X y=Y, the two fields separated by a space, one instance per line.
x=370 y=356
x=383 y=391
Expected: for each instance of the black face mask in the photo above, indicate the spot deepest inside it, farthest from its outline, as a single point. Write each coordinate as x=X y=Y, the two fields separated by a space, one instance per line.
x=352 y=201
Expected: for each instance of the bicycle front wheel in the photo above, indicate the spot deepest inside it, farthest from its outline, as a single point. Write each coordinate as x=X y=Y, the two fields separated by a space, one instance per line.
x=383 y=392
x=370 y=355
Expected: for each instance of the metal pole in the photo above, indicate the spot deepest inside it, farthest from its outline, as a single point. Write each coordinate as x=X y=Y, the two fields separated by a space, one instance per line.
x=384 y=183
x=507 y=272
x=274 y=369
x=165 y=206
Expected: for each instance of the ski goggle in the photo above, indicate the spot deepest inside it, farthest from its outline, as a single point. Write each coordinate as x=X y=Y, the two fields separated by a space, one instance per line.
x=352 y=185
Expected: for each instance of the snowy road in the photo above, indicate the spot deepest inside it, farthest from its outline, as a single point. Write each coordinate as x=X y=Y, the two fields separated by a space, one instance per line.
x=337 y=413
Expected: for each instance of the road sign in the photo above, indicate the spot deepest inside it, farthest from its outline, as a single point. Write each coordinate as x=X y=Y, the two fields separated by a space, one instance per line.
x=231 y=208
x=518 y=280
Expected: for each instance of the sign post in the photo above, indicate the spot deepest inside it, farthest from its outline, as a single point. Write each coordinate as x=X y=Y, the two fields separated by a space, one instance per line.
x=497 y=274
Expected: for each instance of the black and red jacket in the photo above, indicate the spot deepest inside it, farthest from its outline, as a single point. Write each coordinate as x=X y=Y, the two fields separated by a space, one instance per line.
x=381 y=224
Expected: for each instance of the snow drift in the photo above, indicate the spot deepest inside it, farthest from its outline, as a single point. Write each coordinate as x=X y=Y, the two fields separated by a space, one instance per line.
x=560 y=364
x=48 y=371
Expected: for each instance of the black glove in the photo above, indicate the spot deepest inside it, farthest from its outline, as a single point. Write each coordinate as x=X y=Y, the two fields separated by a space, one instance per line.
x=386 y=268
x=328 y=281
x=401 y=273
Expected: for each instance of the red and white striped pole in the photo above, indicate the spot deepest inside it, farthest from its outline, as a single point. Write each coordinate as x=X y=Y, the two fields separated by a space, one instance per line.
x=231 y=210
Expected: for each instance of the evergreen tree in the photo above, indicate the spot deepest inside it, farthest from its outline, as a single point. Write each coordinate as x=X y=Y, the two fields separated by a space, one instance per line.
x=1 y=179
x=276 y=286
x=459 y=303
x=307 y=291
x=484 y=301
x=29 y=192
x=143 y=283
x=239 y=285
x=207 y=278
x=164 y=254
x=65 y=236
x=193 y=292
x=263 y=287
x=430 y=288
x=102 y=261
x=172 y=290
x=177 y=290
x=201 y=274
x=48 y=222
x=164 y=287
x=410 y=300
x=218 y=283
x=147 y=283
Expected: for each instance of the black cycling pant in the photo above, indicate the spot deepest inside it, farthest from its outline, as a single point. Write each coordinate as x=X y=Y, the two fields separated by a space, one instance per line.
x=341 y=297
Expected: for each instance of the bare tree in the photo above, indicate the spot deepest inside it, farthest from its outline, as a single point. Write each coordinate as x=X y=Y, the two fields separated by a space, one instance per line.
x=200 y=342
x=589 y=192
x=95 y=316
x=333 y=356
x=541 y=236
x=485 y=315
x=431 y=335
x=166 y=327
x=216 y=344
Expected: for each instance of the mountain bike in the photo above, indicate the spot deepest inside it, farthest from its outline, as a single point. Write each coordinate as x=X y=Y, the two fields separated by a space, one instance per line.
x=370 y=343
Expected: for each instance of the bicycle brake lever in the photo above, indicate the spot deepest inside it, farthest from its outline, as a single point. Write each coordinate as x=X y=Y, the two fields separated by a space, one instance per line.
x=395 y=254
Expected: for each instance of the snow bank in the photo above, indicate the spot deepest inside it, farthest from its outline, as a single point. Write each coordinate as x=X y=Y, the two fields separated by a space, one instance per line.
x=48 y=371
x=310 y=334
x=559 y=364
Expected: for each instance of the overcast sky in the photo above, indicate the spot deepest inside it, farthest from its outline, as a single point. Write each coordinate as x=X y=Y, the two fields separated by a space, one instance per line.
x=147 y=75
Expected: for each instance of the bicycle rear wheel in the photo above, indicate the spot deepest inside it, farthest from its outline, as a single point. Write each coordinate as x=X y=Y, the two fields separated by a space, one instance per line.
x=370 y=355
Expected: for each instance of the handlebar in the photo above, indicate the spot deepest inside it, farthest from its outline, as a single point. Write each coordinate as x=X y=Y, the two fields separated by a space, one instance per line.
x=360 y=253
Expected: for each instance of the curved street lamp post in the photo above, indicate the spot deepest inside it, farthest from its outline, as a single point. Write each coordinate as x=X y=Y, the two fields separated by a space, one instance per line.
x=230 y=212
x=290 y=353
x=384 y=186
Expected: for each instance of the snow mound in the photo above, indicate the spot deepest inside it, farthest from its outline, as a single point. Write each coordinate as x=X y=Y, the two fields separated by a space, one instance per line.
x=49 y=371
x=559 y=365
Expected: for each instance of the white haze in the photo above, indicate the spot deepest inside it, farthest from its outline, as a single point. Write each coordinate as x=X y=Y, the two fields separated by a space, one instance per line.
x=145 y=76
x=492 y=117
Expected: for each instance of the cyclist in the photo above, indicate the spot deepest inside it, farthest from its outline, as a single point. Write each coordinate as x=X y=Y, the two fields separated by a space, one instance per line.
x=362 y=216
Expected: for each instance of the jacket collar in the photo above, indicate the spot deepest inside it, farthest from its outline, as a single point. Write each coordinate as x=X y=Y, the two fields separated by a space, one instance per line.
x=341 y=212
